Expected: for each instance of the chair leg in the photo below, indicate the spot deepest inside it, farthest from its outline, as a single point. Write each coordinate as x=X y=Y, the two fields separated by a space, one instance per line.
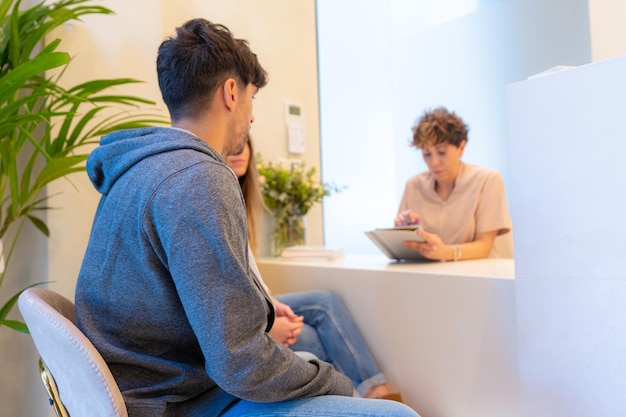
x=51 y=388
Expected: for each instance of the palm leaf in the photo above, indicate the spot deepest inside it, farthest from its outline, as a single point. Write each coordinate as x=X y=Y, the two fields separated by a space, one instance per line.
x=12 y=175
x=8 y=306
x=12 y=82
x=89 y=88
x=117 y=99
x=40 y=224
x=51 y=17
x=4 y=8
x=58 y=167
x=15 y=325
x=14 y=40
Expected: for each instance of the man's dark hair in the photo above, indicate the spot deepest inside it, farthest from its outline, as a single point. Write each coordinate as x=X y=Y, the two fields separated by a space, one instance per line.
x=202 y=55
x=439 y=126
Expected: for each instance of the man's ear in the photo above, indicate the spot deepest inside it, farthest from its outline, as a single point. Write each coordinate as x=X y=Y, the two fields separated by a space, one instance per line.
x=229 y=90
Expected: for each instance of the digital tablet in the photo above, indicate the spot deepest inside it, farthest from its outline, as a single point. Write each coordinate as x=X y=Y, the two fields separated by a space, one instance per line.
x=390 y=242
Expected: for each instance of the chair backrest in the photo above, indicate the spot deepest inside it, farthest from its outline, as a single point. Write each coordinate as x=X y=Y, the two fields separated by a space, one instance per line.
x=86 y=387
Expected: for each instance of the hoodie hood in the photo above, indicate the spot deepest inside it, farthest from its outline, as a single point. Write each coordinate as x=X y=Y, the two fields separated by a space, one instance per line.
x=119 y=151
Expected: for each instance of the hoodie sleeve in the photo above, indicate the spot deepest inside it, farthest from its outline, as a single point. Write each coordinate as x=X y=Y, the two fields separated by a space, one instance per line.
x=196 y=223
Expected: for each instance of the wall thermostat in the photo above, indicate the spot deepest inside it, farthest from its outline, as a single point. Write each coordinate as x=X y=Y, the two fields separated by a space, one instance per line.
x=294 y=122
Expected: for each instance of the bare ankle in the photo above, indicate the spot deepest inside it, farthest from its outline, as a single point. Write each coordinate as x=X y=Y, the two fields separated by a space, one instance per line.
x=377 y=391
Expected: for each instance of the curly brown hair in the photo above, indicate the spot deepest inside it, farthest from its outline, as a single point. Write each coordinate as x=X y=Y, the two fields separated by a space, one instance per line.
x=439 y=126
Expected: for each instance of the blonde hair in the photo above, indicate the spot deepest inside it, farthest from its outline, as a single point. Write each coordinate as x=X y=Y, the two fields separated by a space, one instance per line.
x=251 y=190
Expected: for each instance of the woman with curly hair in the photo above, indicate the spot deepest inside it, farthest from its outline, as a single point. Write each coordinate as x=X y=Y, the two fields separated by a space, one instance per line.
x=461 y=207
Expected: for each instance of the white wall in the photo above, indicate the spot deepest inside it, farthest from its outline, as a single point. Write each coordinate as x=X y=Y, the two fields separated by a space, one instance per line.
x=608 y=28
x=570 y=268
x=19 y=378
x=401 y=63
x=570 y=290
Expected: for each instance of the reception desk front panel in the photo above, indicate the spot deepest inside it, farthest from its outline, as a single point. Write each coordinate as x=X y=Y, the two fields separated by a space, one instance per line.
x=444 y=333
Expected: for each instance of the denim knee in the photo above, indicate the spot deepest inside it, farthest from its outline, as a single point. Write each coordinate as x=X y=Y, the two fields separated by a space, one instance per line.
x=328 y=298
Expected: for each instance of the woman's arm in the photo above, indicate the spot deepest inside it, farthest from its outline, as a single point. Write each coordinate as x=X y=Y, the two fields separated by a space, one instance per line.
x=479 y=248
x=434 y=248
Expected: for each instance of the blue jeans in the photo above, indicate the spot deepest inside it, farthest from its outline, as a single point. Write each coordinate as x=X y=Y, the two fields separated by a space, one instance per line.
x=322 y=406
x=331 y=334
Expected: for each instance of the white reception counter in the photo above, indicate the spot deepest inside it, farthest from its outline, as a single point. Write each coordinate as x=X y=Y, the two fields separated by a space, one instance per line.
x=444 y=333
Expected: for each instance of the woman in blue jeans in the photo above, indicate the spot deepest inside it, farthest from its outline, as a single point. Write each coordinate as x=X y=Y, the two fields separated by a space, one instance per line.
x=330 y=333
x=313 y=321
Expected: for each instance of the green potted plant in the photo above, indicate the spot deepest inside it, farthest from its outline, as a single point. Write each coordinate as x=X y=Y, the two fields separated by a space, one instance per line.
x=44 y=126
x=289 y=191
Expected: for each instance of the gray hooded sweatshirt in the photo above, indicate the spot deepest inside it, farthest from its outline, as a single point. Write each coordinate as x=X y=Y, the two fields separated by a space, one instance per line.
x=168 y=291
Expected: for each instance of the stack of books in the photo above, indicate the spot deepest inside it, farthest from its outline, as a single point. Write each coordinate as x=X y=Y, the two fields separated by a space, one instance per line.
x=321 y=253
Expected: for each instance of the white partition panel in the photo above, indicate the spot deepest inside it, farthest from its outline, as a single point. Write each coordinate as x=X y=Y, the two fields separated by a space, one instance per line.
x=567 y=147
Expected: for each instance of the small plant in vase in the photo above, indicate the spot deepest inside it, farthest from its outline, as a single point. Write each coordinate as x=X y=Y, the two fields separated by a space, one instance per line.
x=289 y=191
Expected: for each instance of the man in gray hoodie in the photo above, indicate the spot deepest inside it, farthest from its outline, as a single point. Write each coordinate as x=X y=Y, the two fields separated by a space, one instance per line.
x=168 y=290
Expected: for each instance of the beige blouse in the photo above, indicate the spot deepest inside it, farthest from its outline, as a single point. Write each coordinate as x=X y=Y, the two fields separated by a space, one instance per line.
x=477 y=204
